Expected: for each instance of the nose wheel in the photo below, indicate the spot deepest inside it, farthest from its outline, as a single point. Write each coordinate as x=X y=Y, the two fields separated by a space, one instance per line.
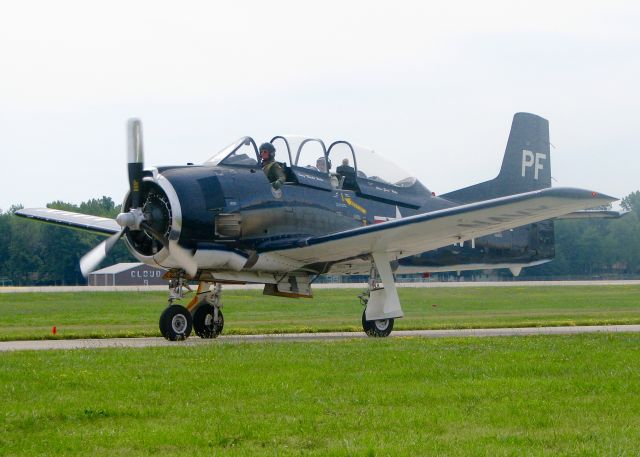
x=176 y=321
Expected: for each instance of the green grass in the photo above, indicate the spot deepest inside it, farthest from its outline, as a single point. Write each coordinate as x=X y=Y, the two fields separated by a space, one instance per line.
x=102 y=314
x=551 y=395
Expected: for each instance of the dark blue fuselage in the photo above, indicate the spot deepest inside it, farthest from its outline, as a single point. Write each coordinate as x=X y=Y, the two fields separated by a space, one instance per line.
x=235 y=207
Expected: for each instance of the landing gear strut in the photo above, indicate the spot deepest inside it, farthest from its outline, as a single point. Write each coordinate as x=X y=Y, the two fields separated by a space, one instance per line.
x=382 y=305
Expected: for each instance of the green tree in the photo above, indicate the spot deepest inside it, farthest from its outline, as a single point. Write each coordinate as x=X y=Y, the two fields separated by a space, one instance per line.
x=33 y=253
x=632 y=202
x=5 y=241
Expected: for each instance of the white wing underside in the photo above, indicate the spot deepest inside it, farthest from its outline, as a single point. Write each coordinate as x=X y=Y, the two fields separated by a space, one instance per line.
x=95 y=224
x=424 y=232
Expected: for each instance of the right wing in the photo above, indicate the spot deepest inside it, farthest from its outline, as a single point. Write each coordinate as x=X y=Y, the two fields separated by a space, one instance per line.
x=594 y=214
x=95 y=224
x=427 y=231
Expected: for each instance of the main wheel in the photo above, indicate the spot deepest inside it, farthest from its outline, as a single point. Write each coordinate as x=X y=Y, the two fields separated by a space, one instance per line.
x=204 y=324
x=378 y=328
x=176 y=323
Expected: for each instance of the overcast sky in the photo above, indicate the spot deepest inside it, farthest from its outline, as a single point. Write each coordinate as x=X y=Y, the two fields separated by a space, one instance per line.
x=432 y=86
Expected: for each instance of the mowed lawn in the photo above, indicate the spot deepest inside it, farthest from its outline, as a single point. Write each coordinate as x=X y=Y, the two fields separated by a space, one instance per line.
x=110 y=314
x=546 y=395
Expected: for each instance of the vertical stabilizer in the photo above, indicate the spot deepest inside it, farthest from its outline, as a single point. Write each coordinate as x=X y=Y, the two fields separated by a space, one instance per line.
x=526 y=165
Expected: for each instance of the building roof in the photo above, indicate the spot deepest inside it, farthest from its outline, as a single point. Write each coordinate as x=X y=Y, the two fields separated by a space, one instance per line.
x=120 y=267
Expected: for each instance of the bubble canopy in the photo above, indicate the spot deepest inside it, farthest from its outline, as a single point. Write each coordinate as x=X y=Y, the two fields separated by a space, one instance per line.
x=312 y=153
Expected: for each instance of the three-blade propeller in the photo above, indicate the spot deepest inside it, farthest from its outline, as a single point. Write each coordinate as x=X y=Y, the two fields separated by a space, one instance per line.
x=135 y=219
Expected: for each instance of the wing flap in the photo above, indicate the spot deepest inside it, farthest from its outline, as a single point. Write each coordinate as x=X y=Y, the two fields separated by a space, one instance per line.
x=594 y=214
x=94 y=224
x=424 y=232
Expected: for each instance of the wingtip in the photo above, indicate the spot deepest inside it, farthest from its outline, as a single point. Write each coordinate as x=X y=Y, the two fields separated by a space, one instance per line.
x=572 y=192
x=599 y=195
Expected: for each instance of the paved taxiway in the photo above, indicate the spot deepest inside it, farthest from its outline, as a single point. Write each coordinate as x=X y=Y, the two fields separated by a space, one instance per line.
x=195 y=341
x=354 y=285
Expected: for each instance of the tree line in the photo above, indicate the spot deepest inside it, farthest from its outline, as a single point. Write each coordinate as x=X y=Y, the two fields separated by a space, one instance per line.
x=33 y=253
x=596 y=248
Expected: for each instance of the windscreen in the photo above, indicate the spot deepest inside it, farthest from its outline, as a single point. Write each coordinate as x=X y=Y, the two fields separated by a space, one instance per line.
x=240 y=152
x=311 y=154
x=375 y=167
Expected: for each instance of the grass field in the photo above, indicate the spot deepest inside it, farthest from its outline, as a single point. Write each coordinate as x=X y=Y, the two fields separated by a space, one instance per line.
x=110 y=314
x=551 y=395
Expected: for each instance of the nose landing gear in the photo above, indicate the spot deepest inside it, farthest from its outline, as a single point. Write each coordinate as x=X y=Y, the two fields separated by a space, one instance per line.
x=176 y=321
x=203 y=314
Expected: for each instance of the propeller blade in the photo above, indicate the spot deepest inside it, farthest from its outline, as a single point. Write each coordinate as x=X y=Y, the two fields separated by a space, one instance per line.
x=135 y=159
x=184 y=258
x=92 y=259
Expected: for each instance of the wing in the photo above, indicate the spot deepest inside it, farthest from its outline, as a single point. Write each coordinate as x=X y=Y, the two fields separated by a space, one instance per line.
x=594 y=214
x=424 y=232
x=95 y=224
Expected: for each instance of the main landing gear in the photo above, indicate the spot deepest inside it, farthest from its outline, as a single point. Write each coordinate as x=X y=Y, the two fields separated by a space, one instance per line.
x=203 y=313
x=378 y=328
x=381 y=301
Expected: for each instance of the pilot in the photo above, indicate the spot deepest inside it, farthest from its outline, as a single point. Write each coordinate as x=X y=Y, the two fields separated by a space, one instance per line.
x=273 y=170
x=345 y=168
x=321 y=164
x=348 y=173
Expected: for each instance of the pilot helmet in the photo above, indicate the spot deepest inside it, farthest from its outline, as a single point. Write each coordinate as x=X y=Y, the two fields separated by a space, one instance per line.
x=269 y=148
x=323 y=163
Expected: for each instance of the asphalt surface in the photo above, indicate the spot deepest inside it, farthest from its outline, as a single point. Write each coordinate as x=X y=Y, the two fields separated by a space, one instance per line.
x=427 y=284
x=37 y=345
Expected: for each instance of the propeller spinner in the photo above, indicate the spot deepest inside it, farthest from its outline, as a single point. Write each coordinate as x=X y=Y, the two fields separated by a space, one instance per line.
x=136 y=219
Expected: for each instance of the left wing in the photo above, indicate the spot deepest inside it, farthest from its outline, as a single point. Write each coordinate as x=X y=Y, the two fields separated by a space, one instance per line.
x=95 y=224
x=424 y=232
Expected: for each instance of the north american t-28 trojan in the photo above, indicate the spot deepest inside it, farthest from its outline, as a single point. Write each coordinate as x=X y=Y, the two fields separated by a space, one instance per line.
x=223 y=222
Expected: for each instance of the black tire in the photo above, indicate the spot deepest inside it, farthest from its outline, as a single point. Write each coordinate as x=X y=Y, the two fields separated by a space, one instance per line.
x=176 y=323
x=203 y=323
x=377 y=329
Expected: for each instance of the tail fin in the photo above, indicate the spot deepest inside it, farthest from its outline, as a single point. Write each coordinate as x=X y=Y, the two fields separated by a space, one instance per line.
x=526 y=165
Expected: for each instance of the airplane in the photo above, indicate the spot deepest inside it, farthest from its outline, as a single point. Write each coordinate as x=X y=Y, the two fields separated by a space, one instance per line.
x=223 y=222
